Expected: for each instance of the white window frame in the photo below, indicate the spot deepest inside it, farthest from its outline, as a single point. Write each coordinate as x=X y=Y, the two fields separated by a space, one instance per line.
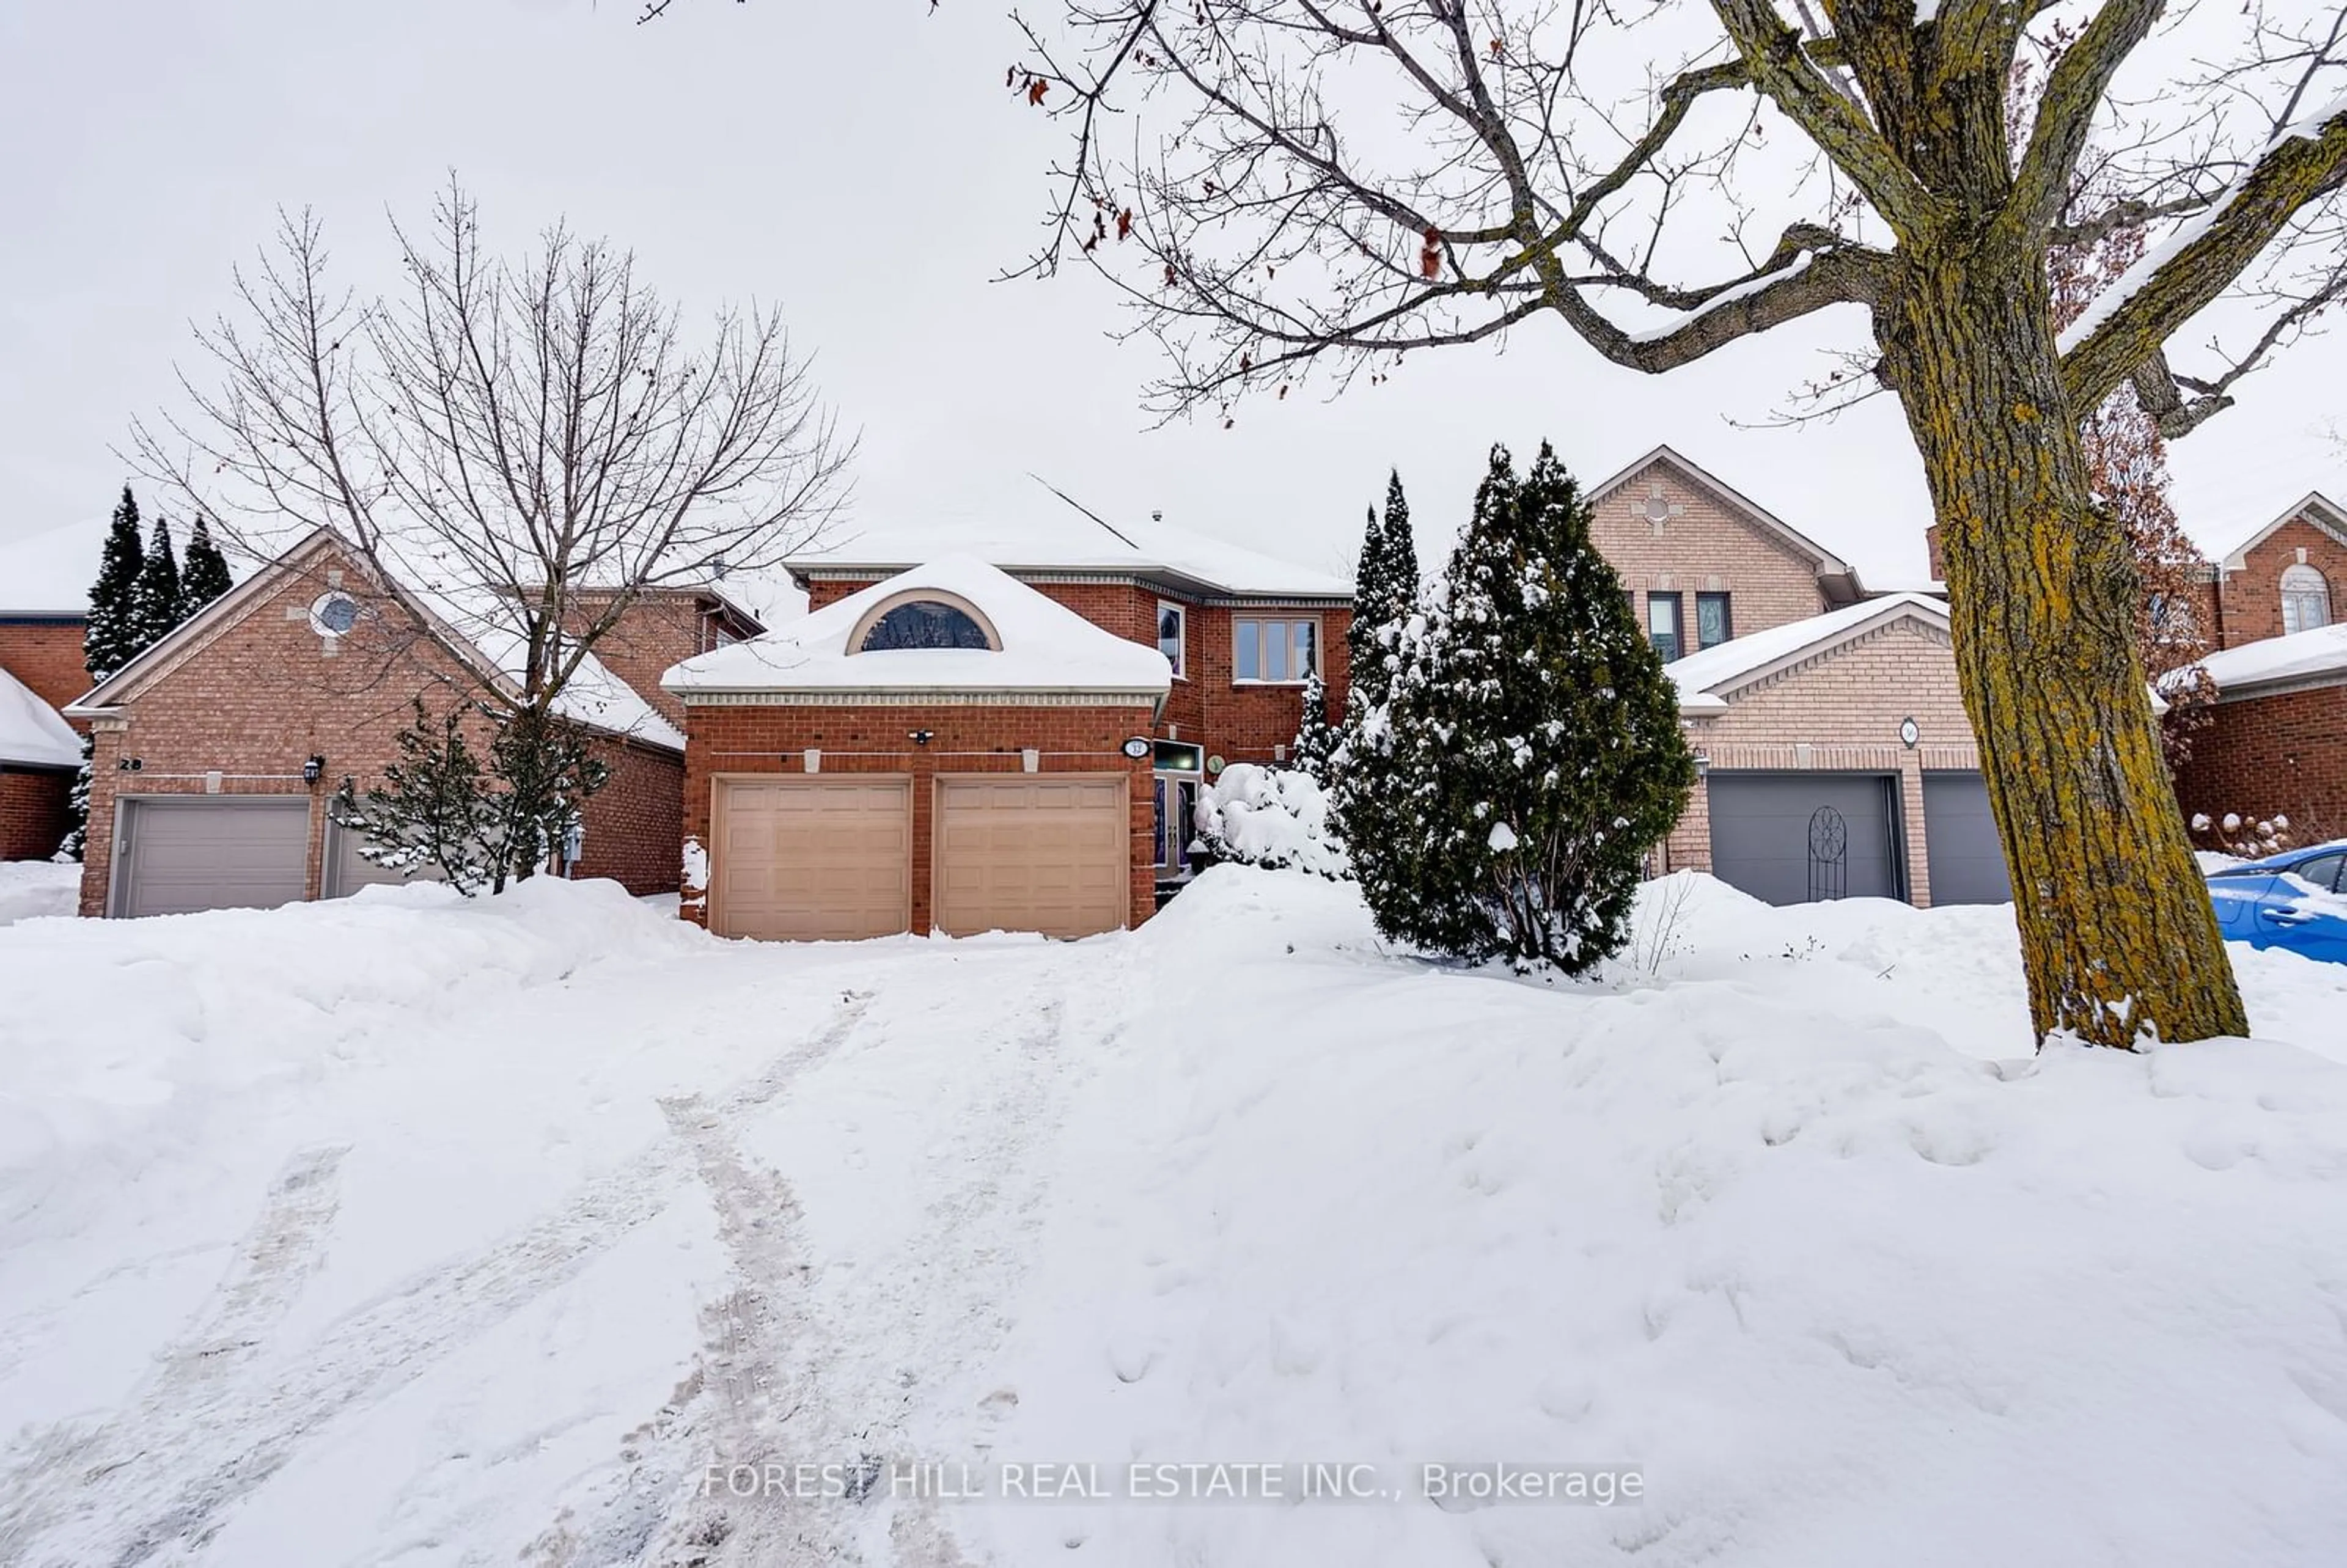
x=1288 y=646
x=2311 y=592
x=1181 y=659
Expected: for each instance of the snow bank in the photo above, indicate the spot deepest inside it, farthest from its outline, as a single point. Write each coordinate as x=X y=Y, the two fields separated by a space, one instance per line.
x=118 y=1035
x=1274 y=817
x=31 y=889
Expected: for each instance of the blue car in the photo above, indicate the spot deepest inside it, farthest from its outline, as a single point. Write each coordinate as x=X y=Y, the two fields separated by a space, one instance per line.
x=2297 y=899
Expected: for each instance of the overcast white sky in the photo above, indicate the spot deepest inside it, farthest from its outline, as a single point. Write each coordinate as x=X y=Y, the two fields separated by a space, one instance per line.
x=860 y=163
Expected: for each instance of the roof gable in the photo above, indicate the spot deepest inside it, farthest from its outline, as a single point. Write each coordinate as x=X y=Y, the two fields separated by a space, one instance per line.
x=1043 y=646
x=594 y=696
x=2317 y=509
x=1778 y=531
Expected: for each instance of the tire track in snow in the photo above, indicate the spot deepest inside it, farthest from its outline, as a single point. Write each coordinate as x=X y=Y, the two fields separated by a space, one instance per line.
x=125 y=1506
x=266 y=1273
x=775 y=1374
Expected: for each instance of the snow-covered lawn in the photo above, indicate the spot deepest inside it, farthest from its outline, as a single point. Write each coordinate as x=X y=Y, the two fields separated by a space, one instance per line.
x=404 y=1230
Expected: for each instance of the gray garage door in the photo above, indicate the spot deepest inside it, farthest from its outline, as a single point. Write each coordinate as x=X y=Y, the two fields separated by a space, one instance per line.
x=1761 y=832
x=1960 y=843
x=208 y=854
x=347 y=870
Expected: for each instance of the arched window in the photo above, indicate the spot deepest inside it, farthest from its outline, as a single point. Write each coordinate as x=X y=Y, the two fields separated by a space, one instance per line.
x=2305 y=599
x=924 y=623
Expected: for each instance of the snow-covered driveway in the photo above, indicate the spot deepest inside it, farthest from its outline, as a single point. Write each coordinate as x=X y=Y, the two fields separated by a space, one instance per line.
x=409 y=1231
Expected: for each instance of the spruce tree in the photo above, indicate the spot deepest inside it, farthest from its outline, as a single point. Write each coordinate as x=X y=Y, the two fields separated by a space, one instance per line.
x=433 y=806
x=204 y=574
x=111 y=638
x=156 y=603
x=548 y=770
x=1312 y=751
x=1502 y=799
x=1385 y=593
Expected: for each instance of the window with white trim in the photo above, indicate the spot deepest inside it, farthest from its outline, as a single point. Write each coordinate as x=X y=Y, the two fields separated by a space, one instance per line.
x=2305 y=599
x=1282 y=649
x=1173 y=637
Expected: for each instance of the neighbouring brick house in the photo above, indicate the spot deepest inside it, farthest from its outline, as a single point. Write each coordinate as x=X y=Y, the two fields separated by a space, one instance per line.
x=44 y=601
x=1834 y=754
x=2276 y=741
x=217 y=750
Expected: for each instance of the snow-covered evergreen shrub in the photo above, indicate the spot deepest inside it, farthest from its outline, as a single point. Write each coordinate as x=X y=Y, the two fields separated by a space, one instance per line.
x=1316 y=737
x=1500 y=801
x=1276 y=817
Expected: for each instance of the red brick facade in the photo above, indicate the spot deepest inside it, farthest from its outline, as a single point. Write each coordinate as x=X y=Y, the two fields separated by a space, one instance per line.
x=32 y=802
x=661 y=629
x=728 y=739
x=239 y=705
x=45 y=653
x=2284 y=754
x=1240 y=722
x=2248 y=597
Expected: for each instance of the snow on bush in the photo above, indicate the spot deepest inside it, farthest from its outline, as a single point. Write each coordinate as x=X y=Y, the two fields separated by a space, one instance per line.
x=1276 y=817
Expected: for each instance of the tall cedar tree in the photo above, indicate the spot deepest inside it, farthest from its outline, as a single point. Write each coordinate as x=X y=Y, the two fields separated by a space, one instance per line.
x=1315 y=746
x=1502 y=801
x=111 y=639
x=156 y=604
x=1385 y=592
x=204 y=574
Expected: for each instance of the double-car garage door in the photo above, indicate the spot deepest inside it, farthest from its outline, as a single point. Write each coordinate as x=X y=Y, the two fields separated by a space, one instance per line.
x=1791 y=838
x=833 y=858
x=176 y=857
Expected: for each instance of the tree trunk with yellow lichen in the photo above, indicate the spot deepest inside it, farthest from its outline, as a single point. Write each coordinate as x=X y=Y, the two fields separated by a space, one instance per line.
x=2118 y=938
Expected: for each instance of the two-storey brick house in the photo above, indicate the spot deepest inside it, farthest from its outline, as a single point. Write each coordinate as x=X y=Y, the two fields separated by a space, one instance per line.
x=844 y=776
x=42 y=617
x=1834 y=755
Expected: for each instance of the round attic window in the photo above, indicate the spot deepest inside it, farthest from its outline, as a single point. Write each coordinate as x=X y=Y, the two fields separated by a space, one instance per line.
x=333 y=614
x=1658 y=508
x=924 y=623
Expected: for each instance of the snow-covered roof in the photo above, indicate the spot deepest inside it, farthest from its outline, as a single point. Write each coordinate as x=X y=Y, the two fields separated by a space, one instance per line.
x=32 y=733
x=1045 y=646
x=2277 y=661
x=49 y=573
x=1705 y=677
x=468 y=624
x=1054 y=535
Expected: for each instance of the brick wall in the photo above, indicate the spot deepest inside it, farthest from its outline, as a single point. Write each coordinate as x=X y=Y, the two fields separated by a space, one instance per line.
x=1706 y=546
x=2249 y=600
x=655 y=632
x=635 y=823
x=254 y=697
x=2283 y=753
x=46 y=655
x=32 y=802
x=773 y=739
x=1841 y=712
x=1241 y=723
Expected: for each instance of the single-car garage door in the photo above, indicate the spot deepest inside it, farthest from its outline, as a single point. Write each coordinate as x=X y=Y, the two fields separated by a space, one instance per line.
x=348 y=869
x=176 y=857
x=1026 y=853
x=808 y=858
x=1960 y=844
x=1788 y=838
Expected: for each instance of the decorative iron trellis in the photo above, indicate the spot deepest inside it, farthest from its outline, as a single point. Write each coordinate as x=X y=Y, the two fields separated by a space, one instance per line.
x=1829 y=854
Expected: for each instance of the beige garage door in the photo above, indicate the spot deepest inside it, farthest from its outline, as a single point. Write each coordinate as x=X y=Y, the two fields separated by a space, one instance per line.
x=800 y=859
x=178 y=857
x=1043 y=855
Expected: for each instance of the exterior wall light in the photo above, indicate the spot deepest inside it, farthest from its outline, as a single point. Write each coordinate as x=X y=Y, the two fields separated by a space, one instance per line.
x=313 y=770
x=1702 y=765
x=923 y=737
x=1909 y=734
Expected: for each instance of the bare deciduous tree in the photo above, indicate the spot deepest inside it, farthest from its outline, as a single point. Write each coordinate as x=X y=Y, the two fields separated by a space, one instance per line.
x=532 y=445
x=1323 y=186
